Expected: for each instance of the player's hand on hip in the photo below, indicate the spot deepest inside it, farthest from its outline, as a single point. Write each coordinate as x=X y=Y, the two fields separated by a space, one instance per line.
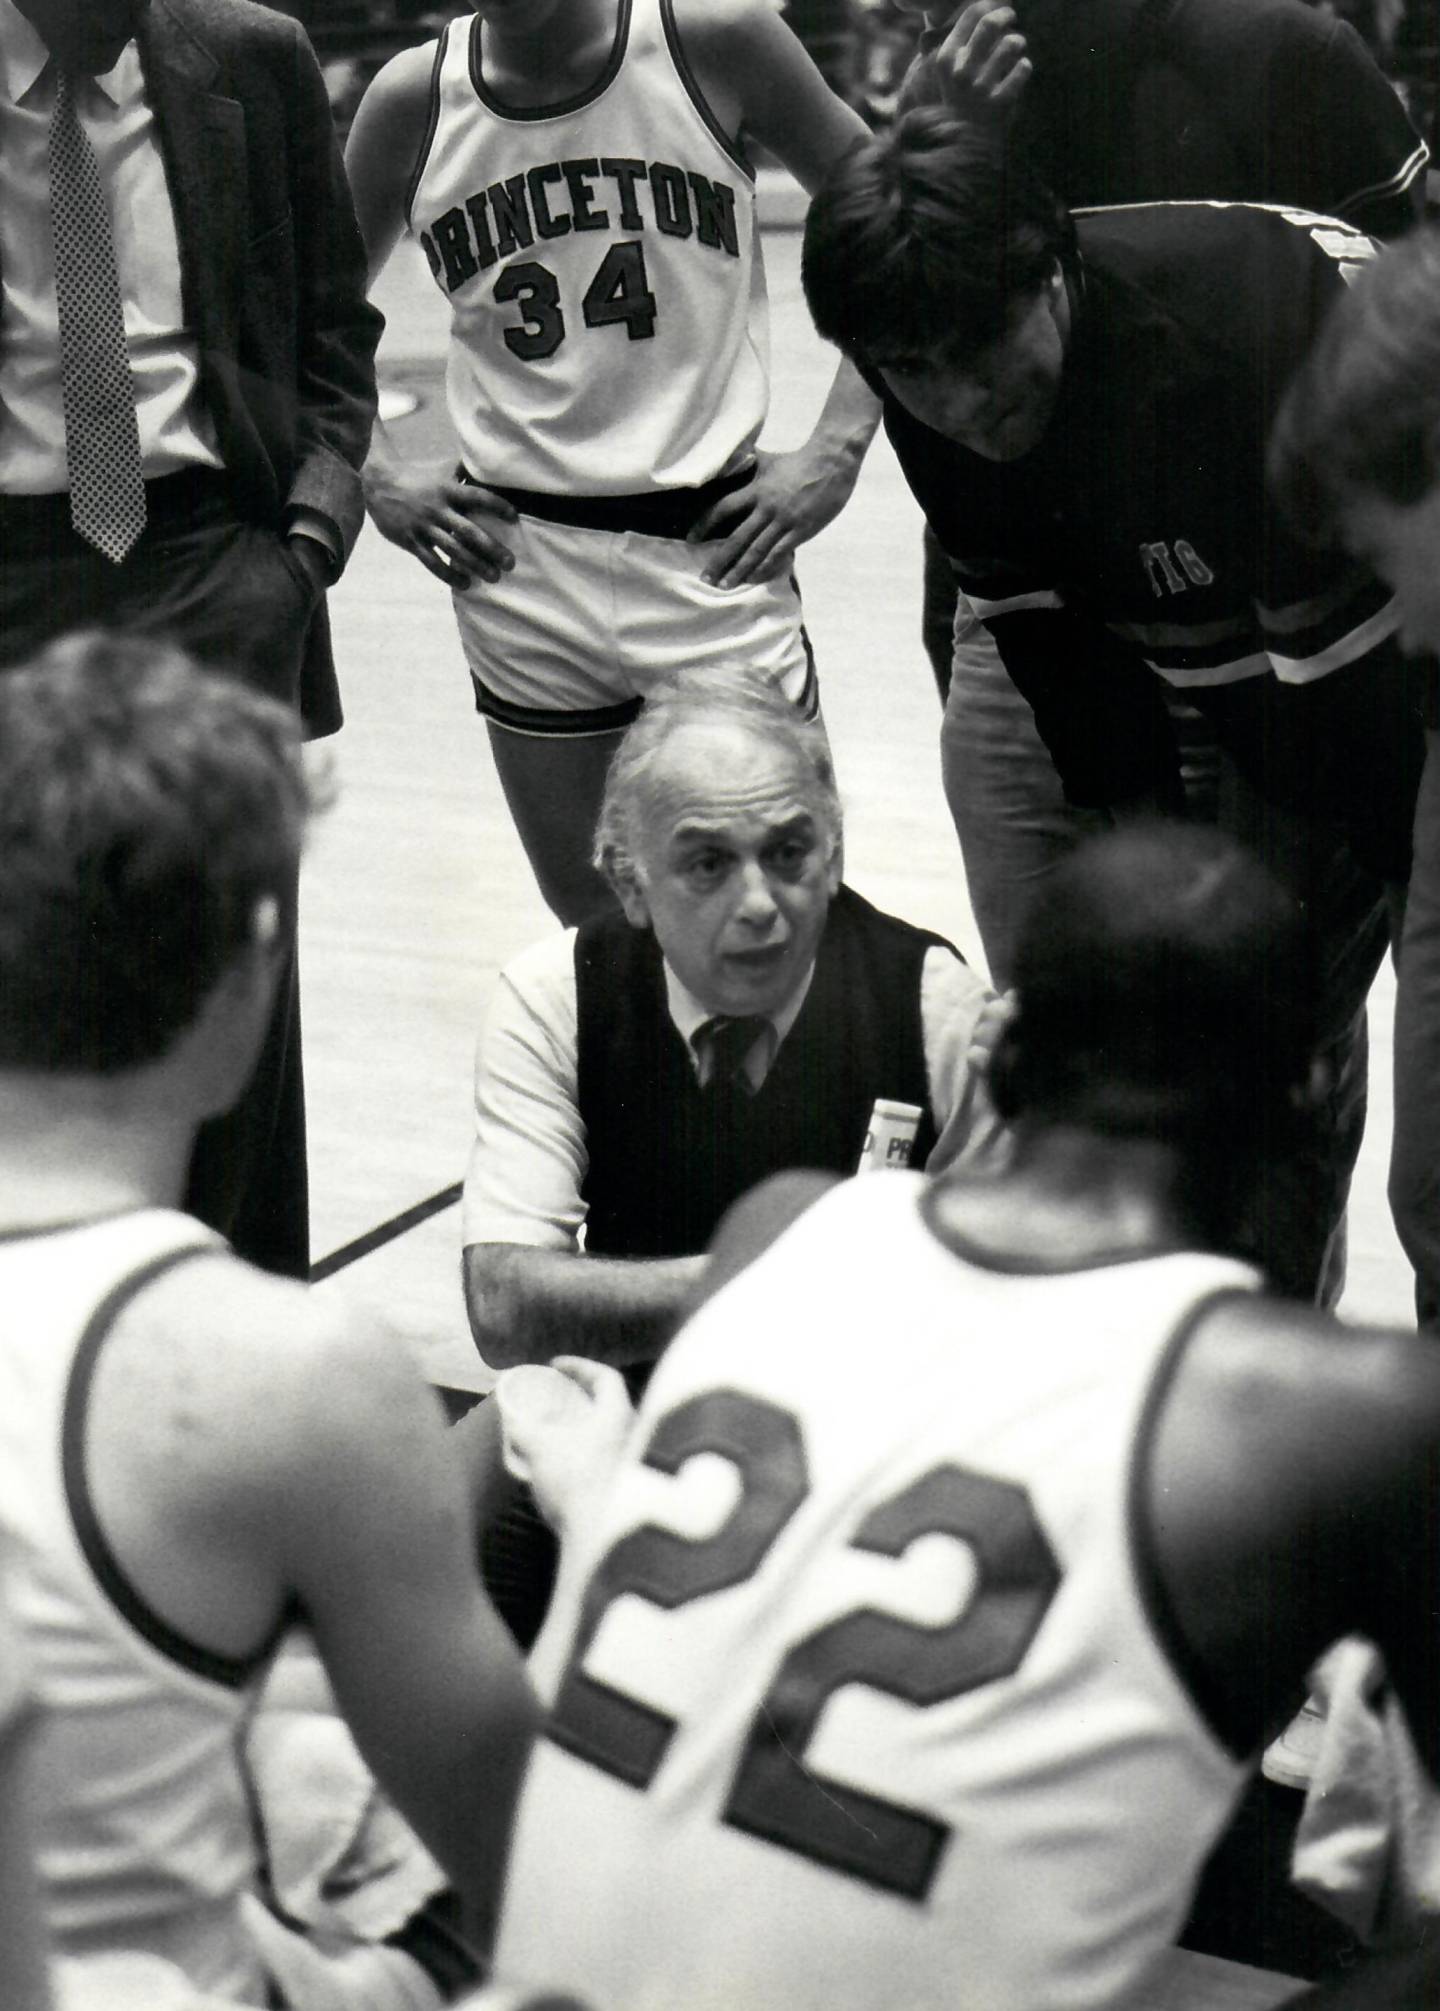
x=790 y=497
x=983 y=63
x=445 y=523
x=562 y=1428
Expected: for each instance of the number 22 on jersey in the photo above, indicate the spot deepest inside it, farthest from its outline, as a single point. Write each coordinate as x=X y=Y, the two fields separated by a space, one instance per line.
x=774 y=1792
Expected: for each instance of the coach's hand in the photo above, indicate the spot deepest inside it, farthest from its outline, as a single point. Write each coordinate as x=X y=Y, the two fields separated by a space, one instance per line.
x=562 y=1427
x=789 y=499
x=445 y=523
x=982 y=64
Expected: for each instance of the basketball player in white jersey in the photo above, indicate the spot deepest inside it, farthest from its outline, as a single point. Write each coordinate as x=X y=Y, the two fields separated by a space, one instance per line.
x=194 y=1453
x=972 y=1538
x=577 y=173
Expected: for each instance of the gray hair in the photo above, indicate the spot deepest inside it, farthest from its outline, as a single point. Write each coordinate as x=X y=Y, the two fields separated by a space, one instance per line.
x=711 y=694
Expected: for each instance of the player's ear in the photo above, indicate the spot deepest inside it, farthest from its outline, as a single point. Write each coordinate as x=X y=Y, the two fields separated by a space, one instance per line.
x=630 y=892
x=835 y=866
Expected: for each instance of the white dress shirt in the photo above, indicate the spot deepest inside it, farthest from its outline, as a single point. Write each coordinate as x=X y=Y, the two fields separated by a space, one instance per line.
x=175 y=429
x=529 y=1158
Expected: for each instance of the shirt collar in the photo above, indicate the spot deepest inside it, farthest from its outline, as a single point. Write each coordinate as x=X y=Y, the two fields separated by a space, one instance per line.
x=23 y=56
x=688 y=1014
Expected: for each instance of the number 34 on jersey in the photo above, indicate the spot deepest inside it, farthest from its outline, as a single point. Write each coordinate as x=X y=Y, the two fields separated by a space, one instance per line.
x=558 y=200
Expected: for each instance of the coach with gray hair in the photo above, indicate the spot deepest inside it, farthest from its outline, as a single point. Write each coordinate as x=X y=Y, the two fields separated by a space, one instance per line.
x=740 y=1012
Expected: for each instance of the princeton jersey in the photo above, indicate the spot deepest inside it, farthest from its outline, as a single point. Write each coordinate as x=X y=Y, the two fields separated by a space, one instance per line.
x=602 y=264
x=143 y=1837
x=862 y=1702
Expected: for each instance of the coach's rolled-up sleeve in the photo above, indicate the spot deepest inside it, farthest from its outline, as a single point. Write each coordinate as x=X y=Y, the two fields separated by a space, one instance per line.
x=961 y=1018
x=528 y=1157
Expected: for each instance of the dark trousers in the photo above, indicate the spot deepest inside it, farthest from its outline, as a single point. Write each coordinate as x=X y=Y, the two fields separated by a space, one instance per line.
x=1415 y=1146
x=1343 y=757
x=227 y=591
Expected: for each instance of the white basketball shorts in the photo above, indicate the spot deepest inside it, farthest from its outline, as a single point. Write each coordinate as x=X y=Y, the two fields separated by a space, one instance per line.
x=570 y=640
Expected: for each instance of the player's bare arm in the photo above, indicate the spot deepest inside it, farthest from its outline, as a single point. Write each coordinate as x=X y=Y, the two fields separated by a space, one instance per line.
x=448 y=525
x=270 y=1456
x=1265 y=1560
x=529 y=1305
x=762 y=86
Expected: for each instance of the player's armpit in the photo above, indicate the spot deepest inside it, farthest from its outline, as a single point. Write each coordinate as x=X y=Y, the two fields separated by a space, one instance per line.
x=760 y=81
x=382 y=151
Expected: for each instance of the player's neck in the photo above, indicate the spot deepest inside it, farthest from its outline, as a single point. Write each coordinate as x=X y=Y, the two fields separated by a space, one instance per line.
x=545 y=59
x=1071 y=1198
x=72 y=1147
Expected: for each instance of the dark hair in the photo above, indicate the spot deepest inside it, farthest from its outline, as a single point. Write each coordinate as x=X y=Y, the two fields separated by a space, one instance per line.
x=925 y=239
x=1362 y=413
x=146 y=808
x=1166 y=988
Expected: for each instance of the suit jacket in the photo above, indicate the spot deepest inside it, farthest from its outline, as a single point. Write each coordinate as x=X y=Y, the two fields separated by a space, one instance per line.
x=272 y=271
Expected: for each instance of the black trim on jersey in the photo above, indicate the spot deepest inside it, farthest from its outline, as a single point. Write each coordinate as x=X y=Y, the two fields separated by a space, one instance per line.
x=551 y=723
x=522 y=113
x=732 y=148
x=1014 y=1264
x=233 y=1671
x=412 y=186
x=1153 y=1597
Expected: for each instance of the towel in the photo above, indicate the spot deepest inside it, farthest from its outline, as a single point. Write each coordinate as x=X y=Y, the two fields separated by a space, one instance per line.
x=1368 y=1843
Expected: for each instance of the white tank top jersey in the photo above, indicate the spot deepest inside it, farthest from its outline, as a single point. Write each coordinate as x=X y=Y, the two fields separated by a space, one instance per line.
x=601 y=259
x=144 y=1835
x=863 y=1704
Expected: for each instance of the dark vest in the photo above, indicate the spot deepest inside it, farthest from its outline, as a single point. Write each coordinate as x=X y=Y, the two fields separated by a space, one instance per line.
x=665 y=1163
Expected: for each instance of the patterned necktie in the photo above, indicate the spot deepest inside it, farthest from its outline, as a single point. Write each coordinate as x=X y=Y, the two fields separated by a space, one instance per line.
x=728 y=1042
x=102 y=438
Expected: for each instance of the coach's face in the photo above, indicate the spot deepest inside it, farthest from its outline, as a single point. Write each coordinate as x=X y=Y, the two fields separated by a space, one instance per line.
x=1401 y=542
x=85 y=35
x=736 y=864
x=996 y=403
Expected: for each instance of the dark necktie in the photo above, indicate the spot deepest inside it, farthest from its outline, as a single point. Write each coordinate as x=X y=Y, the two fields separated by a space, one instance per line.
x=728 y=1042
x=102 y=438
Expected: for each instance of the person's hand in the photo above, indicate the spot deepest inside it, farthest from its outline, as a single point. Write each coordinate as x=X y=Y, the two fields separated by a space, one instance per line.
x=443 y=522
x=982 y=63
x=562 y=1429
x=312 y=558
x=790 y=497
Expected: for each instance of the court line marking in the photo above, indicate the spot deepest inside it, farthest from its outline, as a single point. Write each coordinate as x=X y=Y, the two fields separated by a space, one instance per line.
x=384 y=1232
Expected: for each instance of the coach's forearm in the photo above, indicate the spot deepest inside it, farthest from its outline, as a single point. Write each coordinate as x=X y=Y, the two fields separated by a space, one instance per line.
x=530 y=1305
